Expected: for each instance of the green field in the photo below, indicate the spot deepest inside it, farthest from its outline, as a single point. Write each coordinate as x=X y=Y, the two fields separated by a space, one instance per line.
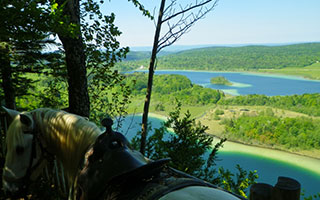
x=309 y=72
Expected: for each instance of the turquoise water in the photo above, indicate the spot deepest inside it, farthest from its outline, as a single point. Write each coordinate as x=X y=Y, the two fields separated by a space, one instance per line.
x=268 y=169
x=248 y=83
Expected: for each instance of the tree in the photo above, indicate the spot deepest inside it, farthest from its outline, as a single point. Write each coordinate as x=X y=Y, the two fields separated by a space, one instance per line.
x=185 y=142
x=22 y=38
x=6 y=72
x=238 y=183
x=75 y=57
x=179 y=20
x=91 y=50
x=191 y=151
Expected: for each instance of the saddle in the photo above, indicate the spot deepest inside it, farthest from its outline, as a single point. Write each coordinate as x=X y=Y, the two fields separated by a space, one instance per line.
x=110 y=161
x=114 y=171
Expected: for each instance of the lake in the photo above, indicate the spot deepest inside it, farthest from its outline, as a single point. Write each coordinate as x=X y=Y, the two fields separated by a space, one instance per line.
x=268 y=169
x=252 y=83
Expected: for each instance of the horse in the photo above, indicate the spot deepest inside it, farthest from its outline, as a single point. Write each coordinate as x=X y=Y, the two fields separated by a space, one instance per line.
x=97 y=164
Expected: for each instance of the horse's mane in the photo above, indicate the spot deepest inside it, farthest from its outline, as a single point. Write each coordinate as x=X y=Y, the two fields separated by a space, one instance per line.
x=65 y=135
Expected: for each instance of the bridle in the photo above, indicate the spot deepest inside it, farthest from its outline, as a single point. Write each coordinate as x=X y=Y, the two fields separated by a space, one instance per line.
x=33 y=156
x=45 y=155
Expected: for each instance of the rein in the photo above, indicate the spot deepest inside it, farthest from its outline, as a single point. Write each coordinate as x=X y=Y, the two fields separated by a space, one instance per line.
x=45 y=154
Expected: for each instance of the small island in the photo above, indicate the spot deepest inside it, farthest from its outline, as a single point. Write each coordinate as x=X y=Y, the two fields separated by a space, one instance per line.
x=220 y=80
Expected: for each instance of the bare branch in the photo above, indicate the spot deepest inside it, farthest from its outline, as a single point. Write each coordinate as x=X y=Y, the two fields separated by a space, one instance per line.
x=183 y=24
x=173 y=2
x=154 y=20
x=191 y=8
x=178 y=23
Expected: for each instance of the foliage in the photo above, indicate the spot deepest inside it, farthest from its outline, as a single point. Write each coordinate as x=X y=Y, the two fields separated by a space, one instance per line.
x=190 y=148
x=305 y=103
x=108 y=94
x=52 y=85
x=144 y=11
x=266 y=128
x=29 y=22
x=22 y=40
x=159 y=107
x=189 y=139
x=218 y=112
x=220 y=80
x=169 y=87
x=311 y=197
x=243 y=180
x=25 y=28
x=238 y=58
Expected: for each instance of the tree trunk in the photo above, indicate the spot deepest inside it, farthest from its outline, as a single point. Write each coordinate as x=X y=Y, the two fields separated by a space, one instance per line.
x=7 y=84
x=76 y=63
x=150 y=80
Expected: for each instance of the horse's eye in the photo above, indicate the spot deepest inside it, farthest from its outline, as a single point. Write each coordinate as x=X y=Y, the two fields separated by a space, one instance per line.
x=19 y=150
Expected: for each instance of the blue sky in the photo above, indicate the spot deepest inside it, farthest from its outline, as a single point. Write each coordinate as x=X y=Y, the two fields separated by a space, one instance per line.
x=231 y=22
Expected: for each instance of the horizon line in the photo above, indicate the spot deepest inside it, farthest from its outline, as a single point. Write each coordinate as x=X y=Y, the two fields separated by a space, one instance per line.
x=233 y=44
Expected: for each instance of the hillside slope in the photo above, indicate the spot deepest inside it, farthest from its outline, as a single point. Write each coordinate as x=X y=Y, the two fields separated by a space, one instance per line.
x=237 y=58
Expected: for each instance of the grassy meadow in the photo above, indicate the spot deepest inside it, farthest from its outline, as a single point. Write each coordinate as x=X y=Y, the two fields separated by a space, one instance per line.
x=309 y=72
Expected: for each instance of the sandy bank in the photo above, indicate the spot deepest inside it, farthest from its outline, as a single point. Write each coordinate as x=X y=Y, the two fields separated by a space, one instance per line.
x=162 y=117
x=305 y=162
x=308 y=163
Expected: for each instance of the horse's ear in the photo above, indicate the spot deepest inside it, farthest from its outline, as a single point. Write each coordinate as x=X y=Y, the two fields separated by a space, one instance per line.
x=12 y=113
x=25 y=119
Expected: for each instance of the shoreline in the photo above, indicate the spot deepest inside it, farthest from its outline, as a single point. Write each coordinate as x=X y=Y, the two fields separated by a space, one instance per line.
x=253 y=72
x=303 y=161
x=270 y=148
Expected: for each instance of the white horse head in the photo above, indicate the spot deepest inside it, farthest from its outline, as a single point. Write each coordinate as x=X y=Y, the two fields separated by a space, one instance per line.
x=21 y=155
x=64 y=135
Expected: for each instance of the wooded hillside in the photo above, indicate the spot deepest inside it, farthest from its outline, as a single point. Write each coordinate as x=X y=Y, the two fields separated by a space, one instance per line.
x=236 y=58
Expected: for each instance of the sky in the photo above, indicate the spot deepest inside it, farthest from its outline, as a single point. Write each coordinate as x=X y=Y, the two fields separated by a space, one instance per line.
x=232 y=22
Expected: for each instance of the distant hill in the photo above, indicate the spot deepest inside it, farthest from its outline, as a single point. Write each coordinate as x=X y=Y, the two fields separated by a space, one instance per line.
x=139 y=55
x=236 y=58
x=173 y=48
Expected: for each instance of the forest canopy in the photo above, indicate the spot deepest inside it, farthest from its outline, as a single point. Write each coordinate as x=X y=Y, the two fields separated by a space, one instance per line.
x=169 y=87
x=268 y=129
x=220 y=80
x=305 y=103
x=235 y=58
